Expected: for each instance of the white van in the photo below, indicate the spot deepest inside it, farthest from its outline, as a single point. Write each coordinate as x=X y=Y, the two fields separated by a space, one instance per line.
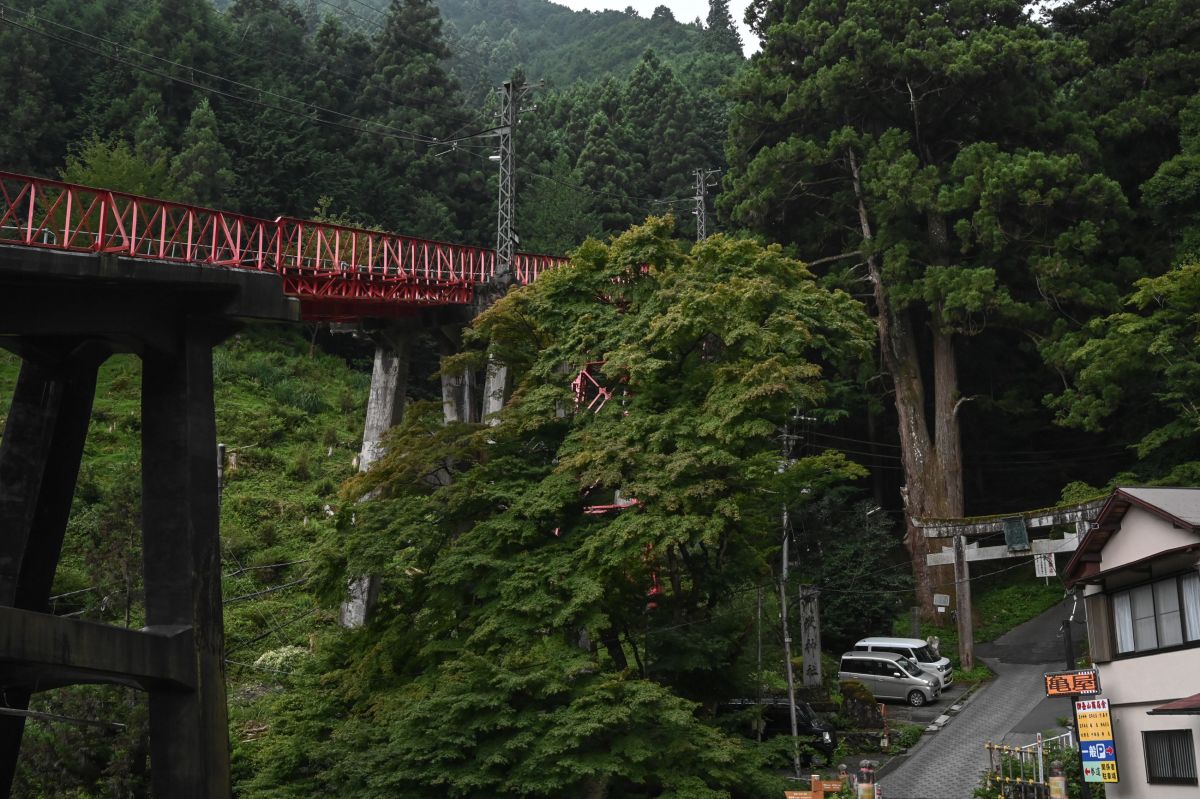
x=913 y=649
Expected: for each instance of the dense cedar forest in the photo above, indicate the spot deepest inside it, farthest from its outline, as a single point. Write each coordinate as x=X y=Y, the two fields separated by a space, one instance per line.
x=956 y=271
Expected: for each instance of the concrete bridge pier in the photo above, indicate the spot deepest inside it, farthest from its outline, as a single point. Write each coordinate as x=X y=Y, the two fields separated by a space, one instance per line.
x=39 y=464
x=385 y=409
x=460 y=390
x=172 y=316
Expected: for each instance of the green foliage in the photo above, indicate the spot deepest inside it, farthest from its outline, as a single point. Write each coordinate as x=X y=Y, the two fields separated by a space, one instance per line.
x=517 y=648
x=1143 y=357
x=905 y=736
x=114 y=165
x=974 y=675
x=201 y=170
x=1004 y=605
x=721 y=35
x=553 y=43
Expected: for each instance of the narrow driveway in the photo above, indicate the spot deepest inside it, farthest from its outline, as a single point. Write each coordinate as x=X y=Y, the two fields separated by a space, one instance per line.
x=948 y=764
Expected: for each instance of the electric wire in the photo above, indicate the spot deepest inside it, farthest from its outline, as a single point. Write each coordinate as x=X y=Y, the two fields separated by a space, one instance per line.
x=644 y=201
x=265 y=591
x=221 y=93
x=391 y=94
x=239 y=645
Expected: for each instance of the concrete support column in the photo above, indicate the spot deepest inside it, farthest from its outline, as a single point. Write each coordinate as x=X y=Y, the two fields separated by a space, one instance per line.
x=385 y=409
x=39 y=464
x=459 y=400
x=495 y=391
x=389 y=388
x=189 y=730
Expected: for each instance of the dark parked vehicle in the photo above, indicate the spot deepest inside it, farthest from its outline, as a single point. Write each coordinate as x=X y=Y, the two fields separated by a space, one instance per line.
x=770 y=714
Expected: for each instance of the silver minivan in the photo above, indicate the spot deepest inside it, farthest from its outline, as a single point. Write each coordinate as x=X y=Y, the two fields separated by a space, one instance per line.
x=890 y=676
x=914 y=649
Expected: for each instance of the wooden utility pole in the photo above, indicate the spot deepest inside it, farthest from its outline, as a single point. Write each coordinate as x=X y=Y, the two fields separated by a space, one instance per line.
x=962 y=593
x=787 y=645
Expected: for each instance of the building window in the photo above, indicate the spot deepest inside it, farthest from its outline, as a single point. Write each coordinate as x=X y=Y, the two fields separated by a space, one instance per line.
x=1159 y=615
x=1170 y=757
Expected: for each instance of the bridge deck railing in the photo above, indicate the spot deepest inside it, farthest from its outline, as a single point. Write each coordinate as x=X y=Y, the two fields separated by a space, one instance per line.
x=38 y=212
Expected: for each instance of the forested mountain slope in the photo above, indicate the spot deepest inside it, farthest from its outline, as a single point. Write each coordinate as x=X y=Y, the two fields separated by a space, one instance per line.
x=491 y=38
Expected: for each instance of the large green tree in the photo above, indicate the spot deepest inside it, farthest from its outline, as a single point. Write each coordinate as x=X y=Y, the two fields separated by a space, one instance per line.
x=1138 y=371
x=202 y=170
x=408 y=183
x=532 y=640
x=920 y=148
x=720 y=34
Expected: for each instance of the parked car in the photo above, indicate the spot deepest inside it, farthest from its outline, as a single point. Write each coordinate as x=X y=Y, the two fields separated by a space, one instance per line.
x=890 y=676
x=774 y=719
x=916 y=650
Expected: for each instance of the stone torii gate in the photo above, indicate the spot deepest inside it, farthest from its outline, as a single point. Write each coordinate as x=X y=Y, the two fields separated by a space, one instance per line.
x=64 y=313
x=1016 y=528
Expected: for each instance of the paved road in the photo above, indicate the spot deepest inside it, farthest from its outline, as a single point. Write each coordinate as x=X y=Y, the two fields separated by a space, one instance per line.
x=1011 y=708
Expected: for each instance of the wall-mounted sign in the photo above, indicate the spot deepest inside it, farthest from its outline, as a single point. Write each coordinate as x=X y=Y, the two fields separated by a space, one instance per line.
x=1081 y=682
x=1096 y=748
x=941 y=600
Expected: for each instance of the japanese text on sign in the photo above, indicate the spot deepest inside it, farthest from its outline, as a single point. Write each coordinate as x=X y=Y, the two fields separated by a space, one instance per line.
x=1084 y=682
x=1095 y=724
x=1096 y=748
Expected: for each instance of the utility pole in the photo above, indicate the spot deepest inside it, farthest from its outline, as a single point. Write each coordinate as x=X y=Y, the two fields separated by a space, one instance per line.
x=787 y=644
x=783 y=603
x=701 y=212
x=1085 y=789
x=511 y=96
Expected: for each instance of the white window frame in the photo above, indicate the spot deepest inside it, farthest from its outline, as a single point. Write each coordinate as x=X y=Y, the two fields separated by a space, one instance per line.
x=1130 y=640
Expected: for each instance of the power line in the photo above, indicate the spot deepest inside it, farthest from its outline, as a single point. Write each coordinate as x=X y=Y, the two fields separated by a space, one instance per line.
x=237 y=645
x=242 y=570
x=425 y=105
x=640 y=200
x=228 y=95
x=397 y=132
x=265 y=591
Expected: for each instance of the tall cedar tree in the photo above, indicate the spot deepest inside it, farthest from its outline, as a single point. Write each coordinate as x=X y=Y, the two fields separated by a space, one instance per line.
x=720 y=34
x=413 y=186
x=923 y=141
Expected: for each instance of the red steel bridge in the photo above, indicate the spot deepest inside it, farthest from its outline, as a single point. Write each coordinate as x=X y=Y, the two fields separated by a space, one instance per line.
x=338 y=273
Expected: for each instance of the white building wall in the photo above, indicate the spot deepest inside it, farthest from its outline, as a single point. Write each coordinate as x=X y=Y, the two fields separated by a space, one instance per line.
x=1158 y=678
x=1129 y=721
x=1142 y=534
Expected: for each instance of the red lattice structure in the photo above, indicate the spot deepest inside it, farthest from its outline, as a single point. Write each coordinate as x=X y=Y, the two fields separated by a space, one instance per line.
x=589 y=393
x=337 y=272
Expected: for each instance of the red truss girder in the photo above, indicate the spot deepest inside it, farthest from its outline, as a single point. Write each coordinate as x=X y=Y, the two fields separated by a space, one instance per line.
x=338 y=272
x=588 y=391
